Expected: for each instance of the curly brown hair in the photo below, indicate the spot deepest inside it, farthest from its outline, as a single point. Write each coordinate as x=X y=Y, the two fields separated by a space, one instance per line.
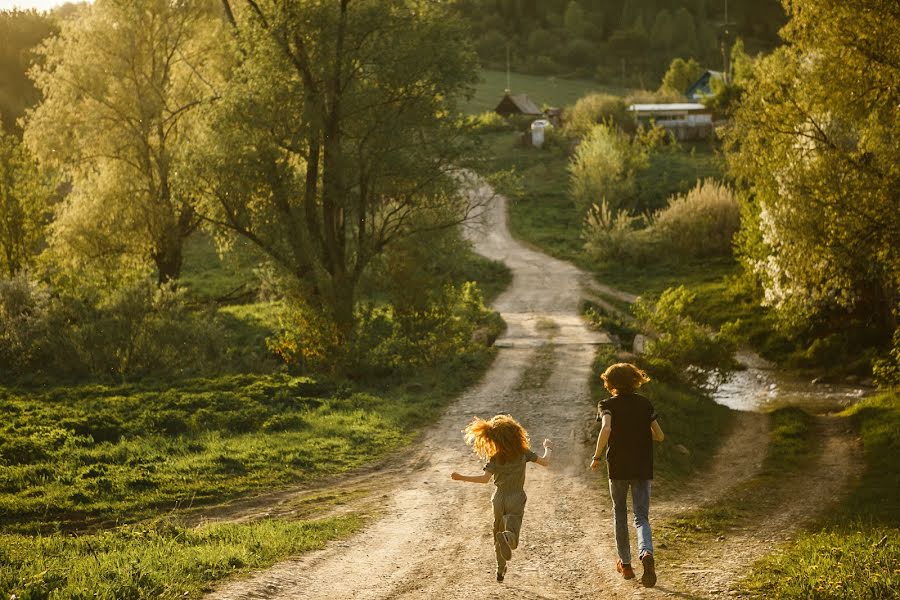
x=502 y=438
x=623 y=378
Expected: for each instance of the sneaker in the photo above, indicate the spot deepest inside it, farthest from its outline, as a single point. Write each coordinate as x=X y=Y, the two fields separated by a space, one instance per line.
x=626 y=570
x=501 y=572
x=648 y=578
x=503 y=545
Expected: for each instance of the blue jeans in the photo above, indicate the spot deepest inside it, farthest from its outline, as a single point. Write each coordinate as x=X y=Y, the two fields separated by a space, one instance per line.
x=640 y=500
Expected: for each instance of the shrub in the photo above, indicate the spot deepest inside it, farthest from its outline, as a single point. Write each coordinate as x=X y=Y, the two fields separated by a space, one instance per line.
x=598 y=109
x=701 y=223
x=604 y=168
x=488 y=122
x=611 y=237
x=139 y=329
x=682 y=348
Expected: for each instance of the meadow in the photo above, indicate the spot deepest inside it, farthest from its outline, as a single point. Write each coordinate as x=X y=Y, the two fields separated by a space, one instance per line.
x=544 y=91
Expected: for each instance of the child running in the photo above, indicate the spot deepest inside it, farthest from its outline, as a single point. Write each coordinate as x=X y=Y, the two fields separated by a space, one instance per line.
x=630 y=426
x=503 y=443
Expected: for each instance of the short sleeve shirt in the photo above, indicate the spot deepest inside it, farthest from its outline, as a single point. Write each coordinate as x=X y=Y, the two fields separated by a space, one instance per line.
x=509 y=476
x=630 y=450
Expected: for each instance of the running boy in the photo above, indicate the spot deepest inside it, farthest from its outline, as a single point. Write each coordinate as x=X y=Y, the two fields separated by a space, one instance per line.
x=503 y=443
x=629 y=426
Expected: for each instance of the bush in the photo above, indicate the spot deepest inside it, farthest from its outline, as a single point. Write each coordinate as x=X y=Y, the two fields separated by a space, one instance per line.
x=392 y=338
x=604 y=168
x=598 y=109
x=682 y=348
x=489 y=122
x=612 y=237
x=139 y=329
x=701 y=223
x=886 y=370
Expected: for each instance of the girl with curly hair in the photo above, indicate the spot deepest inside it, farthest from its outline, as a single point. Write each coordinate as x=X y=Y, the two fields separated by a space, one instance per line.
x=503 y=443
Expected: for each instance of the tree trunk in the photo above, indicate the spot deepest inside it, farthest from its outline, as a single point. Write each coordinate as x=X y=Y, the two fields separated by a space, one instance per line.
x=168 y=259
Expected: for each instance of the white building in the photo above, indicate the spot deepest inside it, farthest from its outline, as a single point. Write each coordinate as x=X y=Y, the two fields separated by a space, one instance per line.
x=685 y=120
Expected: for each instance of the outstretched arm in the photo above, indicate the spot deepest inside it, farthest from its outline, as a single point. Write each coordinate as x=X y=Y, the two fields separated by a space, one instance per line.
x=602 y=439
x=544 y=460
x=483 y=478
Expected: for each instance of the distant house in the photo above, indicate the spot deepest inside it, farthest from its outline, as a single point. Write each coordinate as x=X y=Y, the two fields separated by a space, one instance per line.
x=520 y=104
x=686 y=121
x=702 y=88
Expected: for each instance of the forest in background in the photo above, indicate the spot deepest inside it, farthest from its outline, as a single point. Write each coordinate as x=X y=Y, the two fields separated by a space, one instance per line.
x=627 y=42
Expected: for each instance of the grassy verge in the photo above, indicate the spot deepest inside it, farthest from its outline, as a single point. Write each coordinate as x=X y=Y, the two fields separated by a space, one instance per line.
x=856 y=552
x=790 y=446
x=154 y=560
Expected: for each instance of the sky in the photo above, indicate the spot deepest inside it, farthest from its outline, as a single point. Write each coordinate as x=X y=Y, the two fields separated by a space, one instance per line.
x=38 y=4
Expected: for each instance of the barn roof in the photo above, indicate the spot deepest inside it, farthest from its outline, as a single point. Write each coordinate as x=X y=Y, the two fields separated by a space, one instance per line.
x=521 y=102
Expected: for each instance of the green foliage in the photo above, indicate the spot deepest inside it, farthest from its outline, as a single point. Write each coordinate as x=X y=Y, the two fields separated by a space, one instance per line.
x=449 y=326
x=700 y=223
x=156 y=560
x=823 y=167
x=24 y=202
x=338 y=162
x=613 y=238
x=680 y=76
x=489 y=122
x=604 y=168
x=887 y=369
x=122 y=85
x=681 y=347
x=139 y=329
x=633 y=40
x=597 y=109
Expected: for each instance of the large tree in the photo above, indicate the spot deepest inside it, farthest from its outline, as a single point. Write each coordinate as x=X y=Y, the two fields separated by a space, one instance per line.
x=122 y=85
x=817 y=138
x=339 y=127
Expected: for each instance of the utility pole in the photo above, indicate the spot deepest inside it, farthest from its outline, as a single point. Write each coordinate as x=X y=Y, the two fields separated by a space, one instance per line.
x=508 y=86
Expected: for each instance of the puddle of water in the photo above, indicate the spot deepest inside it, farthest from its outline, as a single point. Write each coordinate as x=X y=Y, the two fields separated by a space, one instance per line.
x=760 y=387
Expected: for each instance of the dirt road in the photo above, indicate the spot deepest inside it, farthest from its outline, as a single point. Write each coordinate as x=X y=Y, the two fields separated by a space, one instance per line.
x=433 y=538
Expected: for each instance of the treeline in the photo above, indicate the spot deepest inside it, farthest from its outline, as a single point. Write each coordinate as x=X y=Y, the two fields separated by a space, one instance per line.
x=627 y=41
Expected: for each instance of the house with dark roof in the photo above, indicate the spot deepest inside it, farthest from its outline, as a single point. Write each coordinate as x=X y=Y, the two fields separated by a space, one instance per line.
x=519 y=104
x=702 y=88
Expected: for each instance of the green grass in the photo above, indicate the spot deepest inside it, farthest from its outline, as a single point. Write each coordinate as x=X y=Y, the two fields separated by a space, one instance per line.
x=95 y=454
x=209 y=277
x=154 y=560
x=855 y=553
x=549 y=91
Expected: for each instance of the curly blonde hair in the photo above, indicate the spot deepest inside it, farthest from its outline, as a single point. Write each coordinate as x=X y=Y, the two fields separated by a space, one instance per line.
x=623 y=378
x=502 y=438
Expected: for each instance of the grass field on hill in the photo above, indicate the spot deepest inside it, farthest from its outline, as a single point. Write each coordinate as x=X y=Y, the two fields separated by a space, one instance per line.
x=550 y=91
